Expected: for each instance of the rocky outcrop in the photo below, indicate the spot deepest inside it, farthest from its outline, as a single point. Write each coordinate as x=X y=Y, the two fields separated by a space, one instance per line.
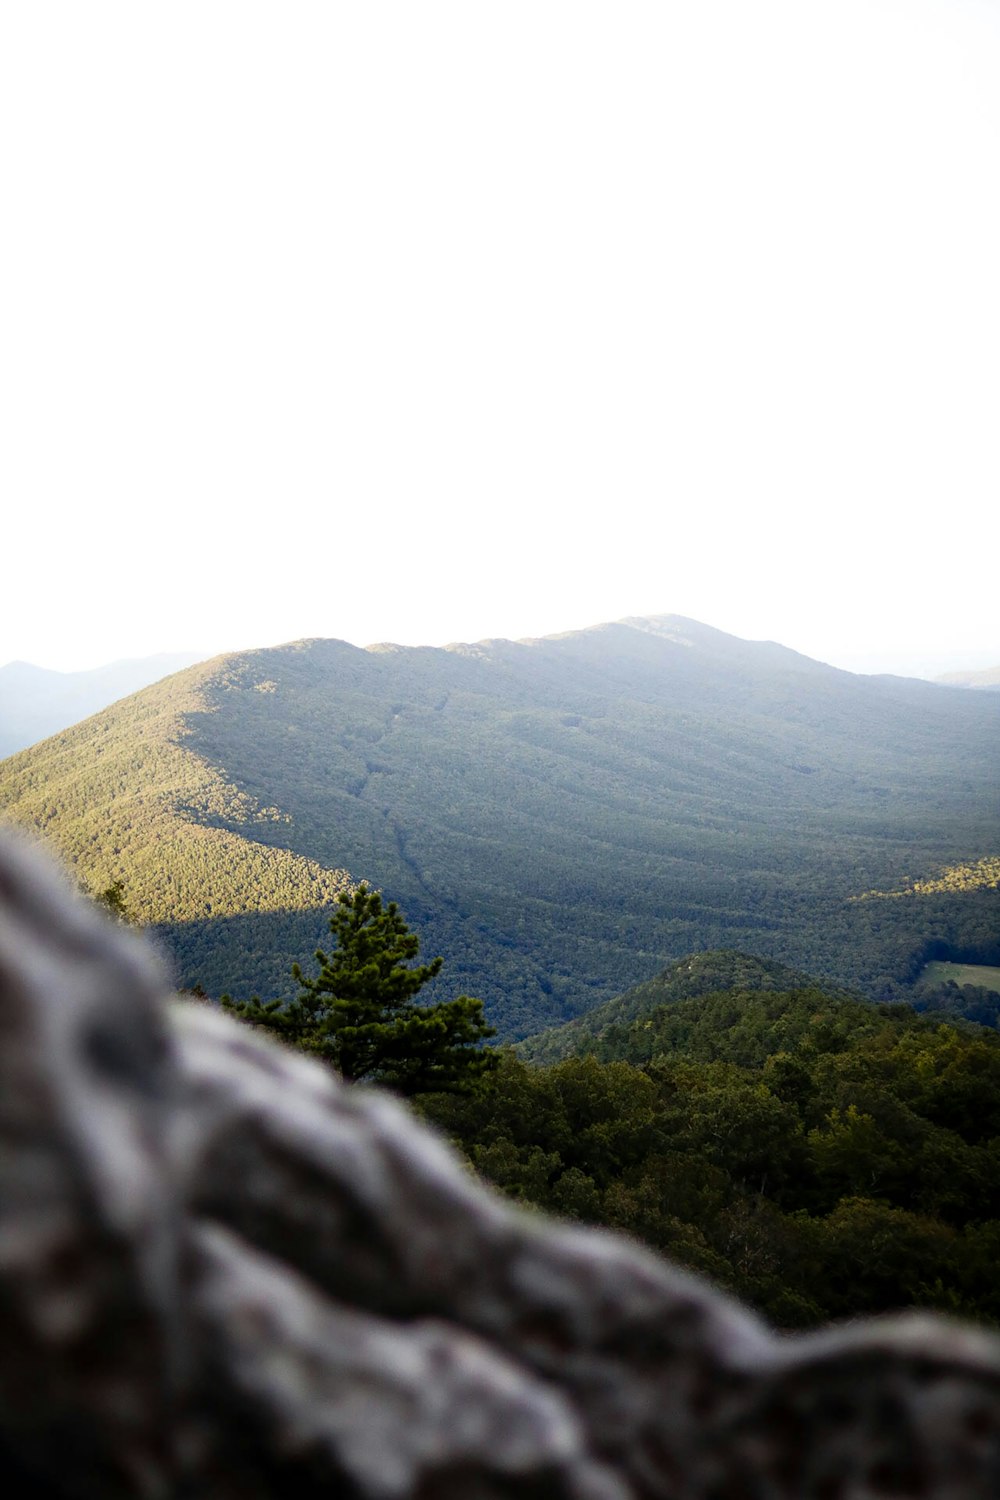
x=224 y=1274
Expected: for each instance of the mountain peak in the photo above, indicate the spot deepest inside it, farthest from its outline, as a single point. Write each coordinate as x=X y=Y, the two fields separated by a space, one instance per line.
x=554 y=817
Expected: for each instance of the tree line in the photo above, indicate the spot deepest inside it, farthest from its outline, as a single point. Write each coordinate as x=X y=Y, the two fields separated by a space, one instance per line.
x=819 y=1156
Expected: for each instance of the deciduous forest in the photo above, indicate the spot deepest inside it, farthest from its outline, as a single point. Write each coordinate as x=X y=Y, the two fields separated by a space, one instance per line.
x=739 y=912
x=559 y=817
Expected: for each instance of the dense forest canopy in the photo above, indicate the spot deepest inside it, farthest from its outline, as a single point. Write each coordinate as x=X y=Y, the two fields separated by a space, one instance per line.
x=822 y=1157
x=559 y=817
x=36 y=702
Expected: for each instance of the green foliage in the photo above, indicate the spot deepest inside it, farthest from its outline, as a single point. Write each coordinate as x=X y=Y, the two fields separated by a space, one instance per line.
x=626 y=1026
x=819 y=1156
x=559 y=816
x=125 y=800
x=978 y=875
x=112 y=898
x=359 y=1014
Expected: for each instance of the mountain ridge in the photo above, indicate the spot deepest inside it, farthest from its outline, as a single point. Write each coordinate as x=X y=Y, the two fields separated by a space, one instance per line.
x=557 y=819
x=37 y=702
x=688 y=978
x=987 y=679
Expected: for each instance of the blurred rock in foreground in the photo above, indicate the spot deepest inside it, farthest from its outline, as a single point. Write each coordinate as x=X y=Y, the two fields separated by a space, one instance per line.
x=224 y=1274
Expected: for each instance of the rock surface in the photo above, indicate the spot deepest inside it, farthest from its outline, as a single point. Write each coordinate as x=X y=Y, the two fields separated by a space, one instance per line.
x=224 y=1274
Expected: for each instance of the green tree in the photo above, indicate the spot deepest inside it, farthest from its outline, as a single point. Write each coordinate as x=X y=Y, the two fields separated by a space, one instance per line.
x=112 y=898
x=359 y=1012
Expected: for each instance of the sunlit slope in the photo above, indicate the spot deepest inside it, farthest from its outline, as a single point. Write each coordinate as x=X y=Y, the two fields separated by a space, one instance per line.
x=558 y=818
x=36 y=703
x=123 y=796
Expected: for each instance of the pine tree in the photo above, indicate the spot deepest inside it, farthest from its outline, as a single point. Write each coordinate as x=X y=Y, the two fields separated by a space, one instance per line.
x=359 y=1013
x=113 y=900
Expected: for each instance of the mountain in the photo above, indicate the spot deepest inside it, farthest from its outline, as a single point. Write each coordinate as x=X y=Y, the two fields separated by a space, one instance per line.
x=36 y=703
x=557 y=817
x=600 y=1030
x=988 y=679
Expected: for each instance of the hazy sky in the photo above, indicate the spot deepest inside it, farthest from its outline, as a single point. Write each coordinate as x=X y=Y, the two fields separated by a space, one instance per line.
x=425 y=321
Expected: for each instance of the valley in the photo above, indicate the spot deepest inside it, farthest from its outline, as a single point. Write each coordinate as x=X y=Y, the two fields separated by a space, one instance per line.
x=683 y=872
x=557 y=817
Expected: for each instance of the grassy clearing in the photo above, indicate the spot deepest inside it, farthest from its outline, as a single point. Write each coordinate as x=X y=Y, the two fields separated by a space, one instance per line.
x=981 y=974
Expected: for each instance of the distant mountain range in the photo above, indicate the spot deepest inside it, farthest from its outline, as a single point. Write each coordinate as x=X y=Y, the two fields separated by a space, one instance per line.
x=35 y=702
x=989 y=678
x=557 y=817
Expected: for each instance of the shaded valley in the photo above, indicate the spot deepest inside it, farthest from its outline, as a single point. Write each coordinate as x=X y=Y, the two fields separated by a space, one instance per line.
x=556 y=817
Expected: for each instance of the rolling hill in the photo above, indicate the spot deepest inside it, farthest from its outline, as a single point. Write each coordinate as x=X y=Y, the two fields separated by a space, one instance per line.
x=558 y=817
x=36 y=703
x=816 y=1154
x=601 y=1029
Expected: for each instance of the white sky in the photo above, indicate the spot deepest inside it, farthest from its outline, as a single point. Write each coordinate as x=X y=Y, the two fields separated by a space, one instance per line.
x=430 y=321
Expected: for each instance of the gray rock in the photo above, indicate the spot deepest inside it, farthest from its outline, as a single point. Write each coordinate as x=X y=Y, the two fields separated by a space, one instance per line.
x=389 y=1409
x=223 y=1273
x=89 y=1222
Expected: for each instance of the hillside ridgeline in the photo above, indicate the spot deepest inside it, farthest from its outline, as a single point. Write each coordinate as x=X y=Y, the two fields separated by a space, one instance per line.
x=821 y=1156
x=600 y=1031
x=36 y=702
x=557 y=817
x=124 y=798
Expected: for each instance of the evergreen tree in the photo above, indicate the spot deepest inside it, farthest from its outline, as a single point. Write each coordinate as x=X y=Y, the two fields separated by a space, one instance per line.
x=112 y=898
x=359 y=1012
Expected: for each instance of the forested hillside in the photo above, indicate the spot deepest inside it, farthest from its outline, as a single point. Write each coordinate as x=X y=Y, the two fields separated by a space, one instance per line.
x=36 y=703
x=558 y=818
x=822 y=1157
x=124 y=799
x=601 y=1029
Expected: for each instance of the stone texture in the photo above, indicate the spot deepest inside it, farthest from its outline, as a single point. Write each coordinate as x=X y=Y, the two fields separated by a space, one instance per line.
x=89 y=1223
x=222 y=1273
